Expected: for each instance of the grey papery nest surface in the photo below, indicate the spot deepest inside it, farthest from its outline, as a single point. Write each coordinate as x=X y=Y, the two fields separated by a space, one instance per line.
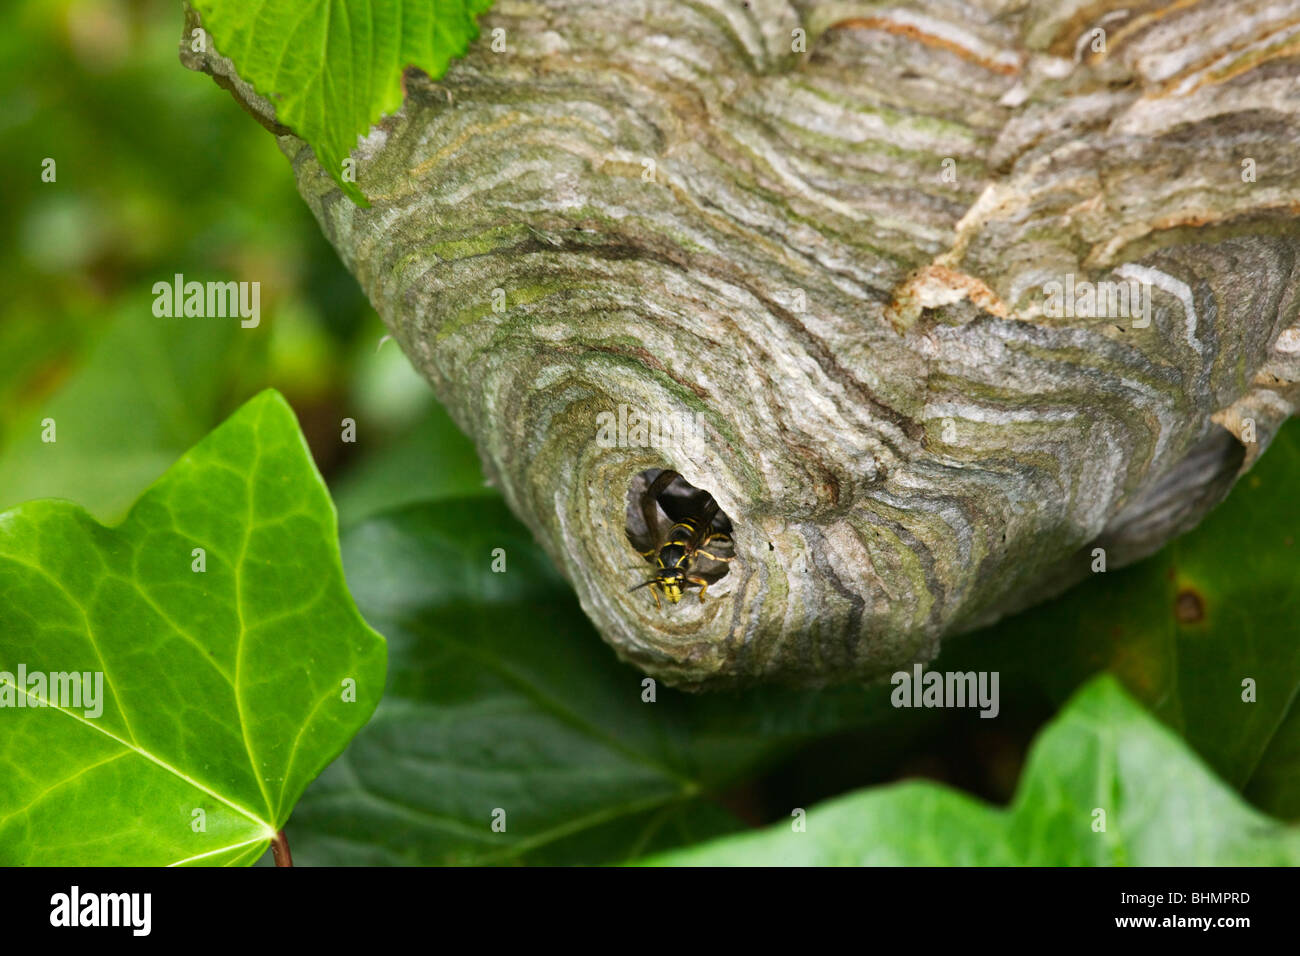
x=827 y=234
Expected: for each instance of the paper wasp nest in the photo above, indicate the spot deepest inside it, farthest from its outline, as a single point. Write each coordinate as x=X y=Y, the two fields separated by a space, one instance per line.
x=933 y=299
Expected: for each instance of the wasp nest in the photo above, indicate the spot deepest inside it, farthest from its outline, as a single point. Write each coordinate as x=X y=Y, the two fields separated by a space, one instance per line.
x=933 y=299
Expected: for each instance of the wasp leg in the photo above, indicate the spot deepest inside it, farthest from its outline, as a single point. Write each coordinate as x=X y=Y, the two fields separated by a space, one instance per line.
x=712 y=557
x=720 y=538
x=704 y=585
x=654 y=588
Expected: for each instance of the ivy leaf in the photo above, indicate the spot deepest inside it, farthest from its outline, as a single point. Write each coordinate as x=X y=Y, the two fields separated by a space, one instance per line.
x=332 y=68
x=1103 y=755
x=223 y=689
x=502 y=697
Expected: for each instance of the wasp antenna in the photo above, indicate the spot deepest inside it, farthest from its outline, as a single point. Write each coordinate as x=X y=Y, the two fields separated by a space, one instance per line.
x=643 y=584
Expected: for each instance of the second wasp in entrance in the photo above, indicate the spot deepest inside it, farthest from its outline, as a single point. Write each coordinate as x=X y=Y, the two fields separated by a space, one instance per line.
x=687 y=538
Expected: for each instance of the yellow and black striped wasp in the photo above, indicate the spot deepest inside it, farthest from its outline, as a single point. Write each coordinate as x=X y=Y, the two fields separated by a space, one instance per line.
x=690 y=549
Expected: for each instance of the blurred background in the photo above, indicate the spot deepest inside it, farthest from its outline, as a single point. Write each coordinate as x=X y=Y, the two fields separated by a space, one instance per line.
x=158 y=171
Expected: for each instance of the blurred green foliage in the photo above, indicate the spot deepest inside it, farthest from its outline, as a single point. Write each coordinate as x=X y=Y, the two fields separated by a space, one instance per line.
x=158 y=172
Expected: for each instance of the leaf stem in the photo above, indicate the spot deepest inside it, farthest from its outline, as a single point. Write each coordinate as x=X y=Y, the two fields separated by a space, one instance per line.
x=280 y=850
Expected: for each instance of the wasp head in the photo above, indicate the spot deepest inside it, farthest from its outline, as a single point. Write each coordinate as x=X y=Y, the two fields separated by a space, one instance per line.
x=670 y=582
x=672 y=588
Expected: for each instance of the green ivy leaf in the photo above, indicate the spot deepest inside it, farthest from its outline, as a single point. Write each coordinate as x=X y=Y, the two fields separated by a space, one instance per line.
x=501 y=696
x=222 y=690
x=1103 y=753
x=332 y=68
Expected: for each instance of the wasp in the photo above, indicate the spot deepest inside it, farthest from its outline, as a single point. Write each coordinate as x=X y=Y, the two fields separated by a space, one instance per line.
x=681 y=552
